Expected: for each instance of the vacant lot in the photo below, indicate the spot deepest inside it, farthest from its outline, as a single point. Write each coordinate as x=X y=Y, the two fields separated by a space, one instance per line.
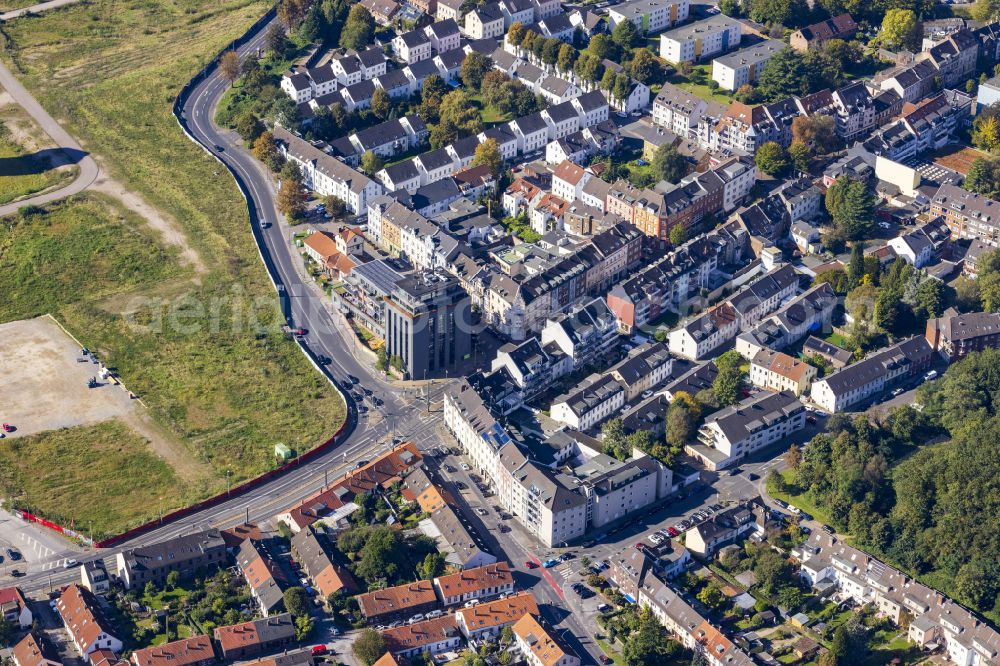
x=207 y=356
x=97 y=478
x=957 y=158
x=44 y=387
x=28 y=165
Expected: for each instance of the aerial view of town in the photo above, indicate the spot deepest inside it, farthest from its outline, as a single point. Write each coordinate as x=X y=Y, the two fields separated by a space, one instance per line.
x=499 y=332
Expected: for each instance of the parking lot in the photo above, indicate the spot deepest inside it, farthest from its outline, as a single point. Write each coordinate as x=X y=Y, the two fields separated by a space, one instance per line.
x=43 y=386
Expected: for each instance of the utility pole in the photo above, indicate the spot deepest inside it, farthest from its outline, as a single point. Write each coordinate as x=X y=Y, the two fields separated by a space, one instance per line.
x=248 y=516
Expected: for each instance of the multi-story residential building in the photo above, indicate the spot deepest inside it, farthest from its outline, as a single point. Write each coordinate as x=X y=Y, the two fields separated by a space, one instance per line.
x=238 y=642
x=267 y=580
x=650 y=16
x=94 y=576
x=383 y=11
x=444 y=35
x=763 y=296
x=428 y=324
x=912 y=82
x=680 y=111
x=311 y=548
x=739 y=175
x=557 y=90
x=807 y=312
x=193 y=651
x=742 y=128
x=562 y=119
x=829 y=564
x=473 y=584
x=813 y=37
x=726 y=527
x=487 y=620
x=304 y=84
x=699 y=40
x=834 y=355
x=557 y=26
x=485 y=22
x=597 y=398
x=540 y=645
x=855 y=111
x=531 y=366
x=645 y=367
x=412 y=46
x=871 y=376
x=86 y=623
x=742 y=67
x=802 y=199
x=449 y=9
x=568 y=180
x=531 y=131
x=777 y=371
x=968 y=215
x=517 y=11
x=392 y=137
x=326 y=175
x=35 y=650
x=924 y=244
x=185 y=554
x=399 y=602
x=953 y=335
x=697 y=338
x=582 y=334
x=745 y=428
x=14 y=608
x=955 y=57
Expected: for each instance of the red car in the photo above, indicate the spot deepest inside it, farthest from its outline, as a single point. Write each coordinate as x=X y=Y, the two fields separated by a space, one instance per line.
x=530 y=565
x=673 y=531
x=8 y=427
x=318 y=650
x=640 y=545
x=605 y=659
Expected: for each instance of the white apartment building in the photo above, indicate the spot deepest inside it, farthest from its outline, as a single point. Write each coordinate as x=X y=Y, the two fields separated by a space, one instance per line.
x=412 y=46
x=743 y=67
x=650 y=16
x=777 y=371
x=568 y=180
x=701 y=335
x=599 y=397
x=697 y=41
x=743 y=429
x=326 y=175
x=739 y=175
x=484 y=22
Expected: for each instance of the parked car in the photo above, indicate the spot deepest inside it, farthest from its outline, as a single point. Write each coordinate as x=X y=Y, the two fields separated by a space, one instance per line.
x=551 y=562
x=13 y=554
x=318 y=650
x=603 y=608
x=655 y=539
x=465 y=466
x=8 y=427
x=794 y=509
x=70 y=563
x=528 y=564
x=673 y=531
x=482 y=512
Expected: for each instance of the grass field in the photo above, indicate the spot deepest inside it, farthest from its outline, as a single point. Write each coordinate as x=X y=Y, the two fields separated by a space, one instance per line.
x=697 y=84
x=225 y=387
x=23 y=174
x=57 y=474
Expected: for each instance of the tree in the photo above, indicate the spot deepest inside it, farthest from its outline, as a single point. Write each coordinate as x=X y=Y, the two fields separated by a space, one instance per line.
x=682 y=419
x=644 y=65
x=173 y=580
x=296 y=601
x=277 y=42
x=650 y=644
x=515 y=33
x=613 y=439
x=730 y=8
x=358 y=29
x=567 y=58
x=818 y=132
x=669 y=164
x=625 y=35
x=381 y=104
x=678 y=235
x=431 y=567
x=856 y=266
x=900 y=30
x=793 y=457
x=371 y=163
x=474 y=68
x=431 y=96
x=588 y=67
x=777 y=11
x=249 y=127
x=984 y=177
x=291 y=172
x=728 y=383
x=771 y=158
x=601 y=46
x=711 y=595
x=291 y=12
x=852 y=208
x=369 y=646
x=550 y=50
x=800 y=156
x=6 y=632
x=488 y=154
x=229 y=65
x=265 y=150
x=986 y=130
x=790 y=72
x=291 y=200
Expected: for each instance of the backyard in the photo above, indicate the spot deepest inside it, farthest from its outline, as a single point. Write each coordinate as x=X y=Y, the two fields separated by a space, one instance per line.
x=697 y=82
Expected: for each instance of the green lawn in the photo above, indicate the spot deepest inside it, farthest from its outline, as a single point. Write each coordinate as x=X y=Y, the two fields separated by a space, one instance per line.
x=490 y=115
x=839 y=340
x=93 y=477
x=800 y=500
x=697 y=82
x=24 y=174
x=219 y=377
x=616 y=656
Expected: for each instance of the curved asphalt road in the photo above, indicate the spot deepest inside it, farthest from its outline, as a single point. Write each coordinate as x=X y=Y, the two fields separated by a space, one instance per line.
x=88 y=167
x=403 y=411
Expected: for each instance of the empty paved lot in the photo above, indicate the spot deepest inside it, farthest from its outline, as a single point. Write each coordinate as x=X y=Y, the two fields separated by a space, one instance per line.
x=43 y=387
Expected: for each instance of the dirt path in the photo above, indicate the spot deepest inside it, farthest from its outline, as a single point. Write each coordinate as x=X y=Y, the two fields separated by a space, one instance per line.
x=167 y=228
